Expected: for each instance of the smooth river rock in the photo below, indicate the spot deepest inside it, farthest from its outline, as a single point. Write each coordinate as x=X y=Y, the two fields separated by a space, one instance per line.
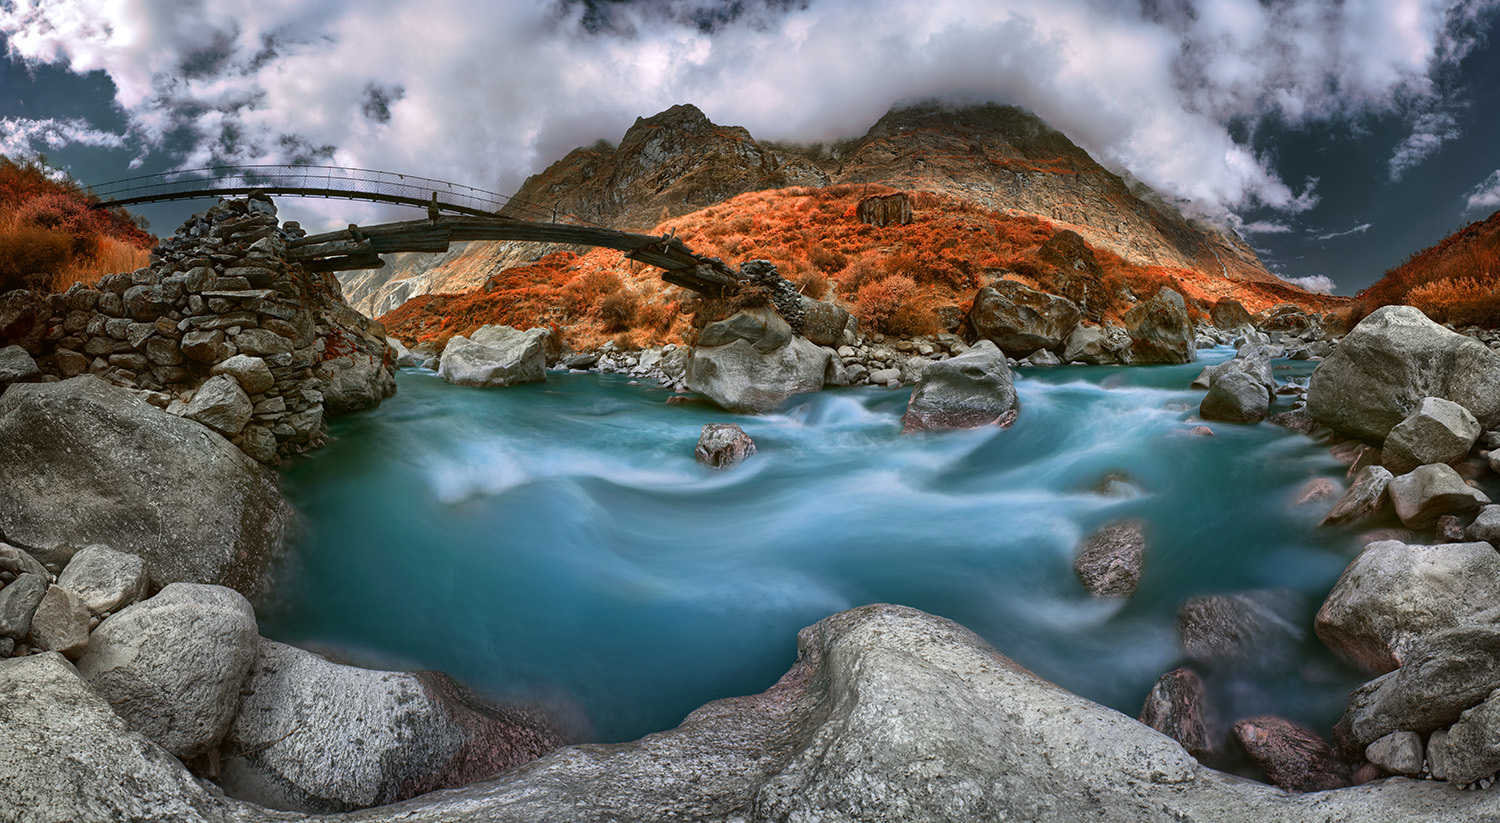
x=288 y=748
x=172 y=666
x=495 y=356
x=1393 y=595
x=137 y=479
x=104 y=579
x=973 y=389
x=1428 y=492
x=750 y=364
x=1447 y=673
x=1235 y=397
x=1383 y=369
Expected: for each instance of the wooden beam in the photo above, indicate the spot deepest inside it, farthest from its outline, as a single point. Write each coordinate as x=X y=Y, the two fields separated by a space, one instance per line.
x=347 y=263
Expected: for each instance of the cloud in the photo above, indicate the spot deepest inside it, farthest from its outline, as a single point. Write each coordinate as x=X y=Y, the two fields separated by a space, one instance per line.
x=1317 y=284
x=1265 y=227
x=488 y=93
x=1486 y=195
x=1429 y=133
x=22 y=138
x=1360 y=229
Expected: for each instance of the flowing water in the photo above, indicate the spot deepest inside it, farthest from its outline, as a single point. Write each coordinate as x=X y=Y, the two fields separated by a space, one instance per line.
x=557 y=542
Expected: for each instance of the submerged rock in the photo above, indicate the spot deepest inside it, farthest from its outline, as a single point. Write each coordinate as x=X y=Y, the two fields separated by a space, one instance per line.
x=1364 y=500
x=179 y=496
x=723 y=445
x=495 y=356
x=1259 y=629
x=1293 y=757
x=1390 y=362
x=1109 y=561
x=973 y=389
x=1178 y=708
x=1393 y=595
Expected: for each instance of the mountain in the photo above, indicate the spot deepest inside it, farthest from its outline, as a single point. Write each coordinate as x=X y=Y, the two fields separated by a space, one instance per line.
x=994 y=159
x=1455 y=281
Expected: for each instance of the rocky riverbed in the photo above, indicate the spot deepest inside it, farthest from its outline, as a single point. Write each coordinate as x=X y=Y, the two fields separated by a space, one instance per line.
x=137 y=685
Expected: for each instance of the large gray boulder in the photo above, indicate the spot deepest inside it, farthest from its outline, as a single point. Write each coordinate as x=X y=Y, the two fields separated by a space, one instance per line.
x=1161 y=330
x=751 y=363
x=172 y=666
x=105 y=579
x=1428 y=492
x=1390 y=362
x=416 y=733
x=973 y=389
x=1438 y=431
x=66 y=757
x=1096 y=345
x=826 y=324
x=495 y=356
x=1393 y=595
x=1446 y=674
x=1020 y=319
x=1235 y=397
x=133 y=477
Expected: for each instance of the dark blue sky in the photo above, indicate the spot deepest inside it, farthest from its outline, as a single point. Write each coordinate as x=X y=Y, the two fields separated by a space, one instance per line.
x=1339 y=135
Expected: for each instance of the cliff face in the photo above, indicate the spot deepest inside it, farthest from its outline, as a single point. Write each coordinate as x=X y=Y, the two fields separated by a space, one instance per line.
x=1007 y=159
x=999 y=158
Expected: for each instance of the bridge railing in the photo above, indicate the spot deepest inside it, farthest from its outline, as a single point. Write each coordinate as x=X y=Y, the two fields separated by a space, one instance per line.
x=319 y=181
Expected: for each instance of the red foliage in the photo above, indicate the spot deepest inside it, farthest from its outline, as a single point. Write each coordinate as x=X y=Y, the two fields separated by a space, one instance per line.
x=1456 y=281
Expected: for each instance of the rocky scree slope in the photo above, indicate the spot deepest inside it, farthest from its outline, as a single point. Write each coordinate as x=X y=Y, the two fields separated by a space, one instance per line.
x=1000 y=159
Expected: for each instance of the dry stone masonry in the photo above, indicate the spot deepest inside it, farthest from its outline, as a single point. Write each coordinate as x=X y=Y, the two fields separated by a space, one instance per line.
x=221 y=328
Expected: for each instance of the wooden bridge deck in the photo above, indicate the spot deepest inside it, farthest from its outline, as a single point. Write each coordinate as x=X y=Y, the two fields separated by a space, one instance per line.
x=359 y=247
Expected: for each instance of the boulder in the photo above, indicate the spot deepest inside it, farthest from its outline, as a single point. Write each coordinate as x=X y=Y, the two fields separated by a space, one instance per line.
x=1428 y=492
x=1228 y=313
x=1042 y=357
x=1020 y=319
x=17 y=366
x=972 y=389
x=1364 y=500
x=19 y=562
x=759 y=326
x=752 y=376
x=67 y=757
x=1286 y=317
x=289 y=744
x=1096 y=345
x=495 y=356
x=1253 y=361
x=1486 y=526
x=18 y=602
x=1235 y=397
x=1474 y=743
x=826 y=324
x=1293 y=758
x=357 y=381
x=252 y=373
x=221 y=405
x=1178 y=708
x=1393 y=595
x=23 y=320
x=723 y=445
x=405 y=358
x=888 y=714
x=104 y=579
x=1438 y=431
x=1446 y=674
x=60 y=623
x=184 y=499
x=172 y=666
x=1161 y=330
x=1390 y=362
x=1259 y=629
x=1109 y=561
x=1397 y=753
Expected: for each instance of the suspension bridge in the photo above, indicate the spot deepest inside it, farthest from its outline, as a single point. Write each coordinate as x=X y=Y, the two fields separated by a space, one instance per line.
x=456 y=213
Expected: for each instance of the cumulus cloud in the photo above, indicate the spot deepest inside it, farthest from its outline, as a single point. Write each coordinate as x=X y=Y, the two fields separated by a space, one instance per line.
x=1360 y=229
x=1318 y=283
x=488 y=93
x=1486 y=195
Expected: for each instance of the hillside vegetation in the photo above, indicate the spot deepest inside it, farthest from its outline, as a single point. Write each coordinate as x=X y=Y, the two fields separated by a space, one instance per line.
x=912 y=279
x=50 y=237
x=1456 y=281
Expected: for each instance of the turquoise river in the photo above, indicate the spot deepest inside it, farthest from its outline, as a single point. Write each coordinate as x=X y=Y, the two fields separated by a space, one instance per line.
x=557 y=543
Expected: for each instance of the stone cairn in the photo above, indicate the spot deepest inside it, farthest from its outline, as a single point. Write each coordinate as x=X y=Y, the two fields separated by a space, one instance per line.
x=220 y=328
x=761 y=275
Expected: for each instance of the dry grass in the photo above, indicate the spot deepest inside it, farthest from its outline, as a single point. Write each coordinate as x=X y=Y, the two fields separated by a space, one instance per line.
x=1456 y=281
